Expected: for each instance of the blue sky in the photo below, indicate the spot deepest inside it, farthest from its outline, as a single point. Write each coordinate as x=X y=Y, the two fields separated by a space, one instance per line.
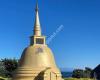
x=77 y=45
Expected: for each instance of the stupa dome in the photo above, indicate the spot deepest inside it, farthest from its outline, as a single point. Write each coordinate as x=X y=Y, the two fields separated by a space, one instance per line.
x=37 y=56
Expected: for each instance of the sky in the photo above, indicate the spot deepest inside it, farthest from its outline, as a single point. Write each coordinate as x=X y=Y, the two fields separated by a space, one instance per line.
x=76 y=45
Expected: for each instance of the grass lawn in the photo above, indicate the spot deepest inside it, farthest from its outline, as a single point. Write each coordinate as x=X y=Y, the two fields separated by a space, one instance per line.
x=78 y=79
x=1 y=78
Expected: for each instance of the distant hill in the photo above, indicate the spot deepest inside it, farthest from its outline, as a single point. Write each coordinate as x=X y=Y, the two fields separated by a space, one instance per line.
x=66 y=72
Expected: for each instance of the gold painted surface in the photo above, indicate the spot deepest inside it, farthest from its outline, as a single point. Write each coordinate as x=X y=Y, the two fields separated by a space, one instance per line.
x=37 y=63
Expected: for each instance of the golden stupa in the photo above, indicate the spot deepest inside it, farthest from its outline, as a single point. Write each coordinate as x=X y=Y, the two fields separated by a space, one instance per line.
x=37 y=61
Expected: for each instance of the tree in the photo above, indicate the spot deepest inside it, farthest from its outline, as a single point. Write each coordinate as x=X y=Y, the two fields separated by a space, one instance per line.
x=2 y=69
x=78 y=73
x=96 y=72
x=87 y=72
x=10 y=65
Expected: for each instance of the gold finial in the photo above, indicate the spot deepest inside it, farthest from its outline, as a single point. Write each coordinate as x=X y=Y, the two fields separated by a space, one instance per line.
x=36 y=5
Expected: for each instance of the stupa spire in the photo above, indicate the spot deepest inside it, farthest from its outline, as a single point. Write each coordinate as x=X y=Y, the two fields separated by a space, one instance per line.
x=37 y=27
